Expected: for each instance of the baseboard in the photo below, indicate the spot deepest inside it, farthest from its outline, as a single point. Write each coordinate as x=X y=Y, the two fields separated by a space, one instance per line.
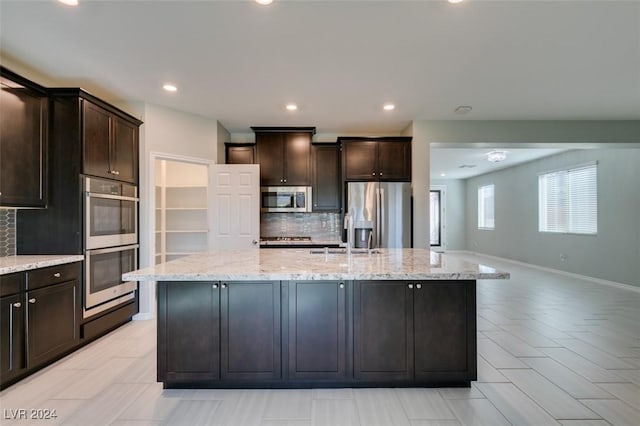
x=556 y=271
x=144 y=316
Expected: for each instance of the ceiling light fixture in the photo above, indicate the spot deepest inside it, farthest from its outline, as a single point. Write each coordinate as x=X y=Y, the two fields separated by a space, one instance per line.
x=463 y=109
x=497 y=156
x=291 y=107
x=170 y=87
x=455 y=1
x=389 y=107
x=264 y=2
x=443 y=174
x=69 y=2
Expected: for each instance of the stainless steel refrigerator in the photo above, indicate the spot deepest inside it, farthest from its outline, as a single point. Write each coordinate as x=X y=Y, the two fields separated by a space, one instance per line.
x=380 y=211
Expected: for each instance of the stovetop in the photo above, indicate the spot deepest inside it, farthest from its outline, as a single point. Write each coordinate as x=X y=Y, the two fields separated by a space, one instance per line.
x=285 y=238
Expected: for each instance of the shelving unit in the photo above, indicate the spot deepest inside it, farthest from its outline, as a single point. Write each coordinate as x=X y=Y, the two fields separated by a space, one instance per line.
x=182 y=225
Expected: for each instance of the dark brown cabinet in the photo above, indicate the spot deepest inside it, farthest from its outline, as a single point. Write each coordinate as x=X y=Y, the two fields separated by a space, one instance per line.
x=12 y=335
x=40 y=313
x=284 y=156
x=239 y=153
x=250 y=331
x=52 y=321
x=23 y=141
x=414 y=331
x=317 y=330
x=219 y=331
x=326 y=177
x=110 y=144
x=188 y=331
x=371 y=159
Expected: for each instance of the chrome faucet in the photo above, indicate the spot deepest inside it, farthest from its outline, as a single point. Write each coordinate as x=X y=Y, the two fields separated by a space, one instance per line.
x=348 y=225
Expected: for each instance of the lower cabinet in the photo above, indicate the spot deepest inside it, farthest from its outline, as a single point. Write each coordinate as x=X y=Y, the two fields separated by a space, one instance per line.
x=316 y=333
x=219 y=331
x=52 y=323
x=415 y=331
x=39 y=318
x=317 y=330
x=12 y=334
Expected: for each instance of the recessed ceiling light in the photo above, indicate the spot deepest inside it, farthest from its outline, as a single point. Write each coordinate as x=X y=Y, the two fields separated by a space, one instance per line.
x=291 y=107
x=455 y=1
x=462 y=109
x=389 y=107
x=264 y=2
x=170 y=87
x=496 y=156
x=69 y=2
x=443 y=174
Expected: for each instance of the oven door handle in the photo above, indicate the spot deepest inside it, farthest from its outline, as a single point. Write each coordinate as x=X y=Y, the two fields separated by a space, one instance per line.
x=113 y=249
x=111 y=197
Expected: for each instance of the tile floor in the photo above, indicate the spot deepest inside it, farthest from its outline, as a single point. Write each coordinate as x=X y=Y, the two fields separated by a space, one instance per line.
x=551 y=350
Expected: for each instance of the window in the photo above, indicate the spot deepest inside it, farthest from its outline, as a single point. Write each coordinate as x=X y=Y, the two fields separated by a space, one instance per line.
x=435 y=206
x=568 y=200
x=486 y=217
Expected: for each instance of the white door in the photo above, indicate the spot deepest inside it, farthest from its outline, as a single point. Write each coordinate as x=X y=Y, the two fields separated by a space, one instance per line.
x=236 y=206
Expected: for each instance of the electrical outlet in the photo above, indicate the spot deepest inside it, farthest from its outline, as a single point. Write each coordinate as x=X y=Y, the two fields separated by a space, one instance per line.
x=563 y=257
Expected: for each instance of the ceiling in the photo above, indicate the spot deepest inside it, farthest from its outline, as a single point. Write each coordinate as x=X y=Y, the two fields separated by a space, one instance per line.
x=240 y=63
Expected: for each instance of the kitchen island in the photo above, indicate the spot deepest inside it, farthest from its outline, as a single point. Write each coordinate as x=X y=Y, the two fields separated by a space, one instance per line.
x=283 y=318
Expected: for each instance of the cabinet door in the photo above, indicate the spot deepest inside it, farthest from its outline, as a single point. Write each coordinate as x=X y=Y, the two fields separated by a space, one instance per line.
x=297 y=158
x=383 y=331
x=188 y=331
x=317 y=330
x=124 y=156
x=23 y=147
x=52 y=323
x=96 y=132
x=270 y=157
x=239 y=154
x=250 y=338
x=12 y=360
x=394 y=161
x=326 y=178
x=360 y=160
x=445 y=338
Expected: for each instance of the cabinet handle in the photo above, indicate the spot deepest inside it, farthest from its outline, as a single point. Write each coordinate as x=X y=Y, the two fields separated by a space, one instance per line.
x=373 y=174
x=224 y=286
x=32 y=300
x=285 y=180
x=280 y=180
x=215 y=286
x=114 y=172
x=418 y=285
x=17 y=305
x=410 y=285
x=341 y=285
x=57 y=275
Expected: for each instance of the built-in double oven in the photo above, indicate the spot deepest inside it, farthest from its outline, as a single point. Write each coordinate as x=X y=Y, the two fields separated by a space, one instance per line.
x=111 y=243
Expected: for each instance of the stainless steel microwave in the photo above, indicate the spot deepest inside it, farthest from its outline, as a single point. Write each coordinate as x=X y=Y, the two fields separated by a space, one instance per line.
x=285 y=199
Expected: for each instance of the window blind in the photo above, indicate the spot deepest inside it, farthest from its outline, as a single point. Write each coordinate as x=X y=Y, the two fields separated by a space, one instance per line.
x=568 y=200
x=486 y=216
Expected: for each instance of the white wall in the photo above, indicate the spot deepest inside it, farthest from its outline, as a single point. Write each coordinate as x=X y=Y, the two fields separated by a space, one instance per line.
x=175 y=133
x=455 y=212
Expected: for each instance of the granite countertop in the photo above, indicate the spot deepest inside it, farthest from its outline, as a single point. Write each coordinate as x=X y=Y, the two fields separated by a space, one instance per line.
x=300 y=264
x=318 y=243
x=21 y=263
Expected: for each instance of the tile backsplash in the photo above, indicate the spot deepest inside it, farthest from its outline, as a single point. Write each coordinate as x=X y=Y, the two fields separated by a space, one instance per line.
x=7 y=232
x=318 y=226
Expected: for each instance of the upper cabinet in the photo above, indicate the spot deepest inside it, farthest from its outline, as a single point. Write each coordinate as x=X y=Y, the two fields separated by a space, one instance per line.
x=383 y=158
x=239 y=153
x=23 y=142
x=284 y=155
x=325 y=159
x=110 y=144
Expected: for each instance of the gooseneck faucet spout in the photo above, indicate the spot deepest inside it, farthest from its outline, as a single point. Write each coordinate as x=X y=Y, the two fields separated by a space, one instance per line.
x=348 y=225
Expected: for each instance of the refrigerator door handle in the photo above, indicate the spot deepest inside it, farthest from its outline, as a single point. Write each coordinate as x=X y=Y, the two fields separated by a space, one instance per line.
x=378 y=217
x=381 y=208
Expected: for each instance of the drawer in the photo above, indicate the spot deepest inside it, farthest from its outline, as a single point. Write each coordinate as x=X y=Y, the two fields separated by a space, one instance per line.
x=11 y=283
x=43 y=277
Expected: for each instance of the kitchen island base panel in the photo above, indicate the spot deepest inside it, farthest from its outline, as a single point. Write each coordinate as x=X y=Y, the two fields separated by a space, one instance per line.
x=260 y=334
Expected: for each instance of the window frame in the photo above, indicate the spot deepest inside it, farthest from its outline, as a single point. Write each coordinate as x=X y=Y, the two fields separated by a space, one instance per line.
x=481 y=211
